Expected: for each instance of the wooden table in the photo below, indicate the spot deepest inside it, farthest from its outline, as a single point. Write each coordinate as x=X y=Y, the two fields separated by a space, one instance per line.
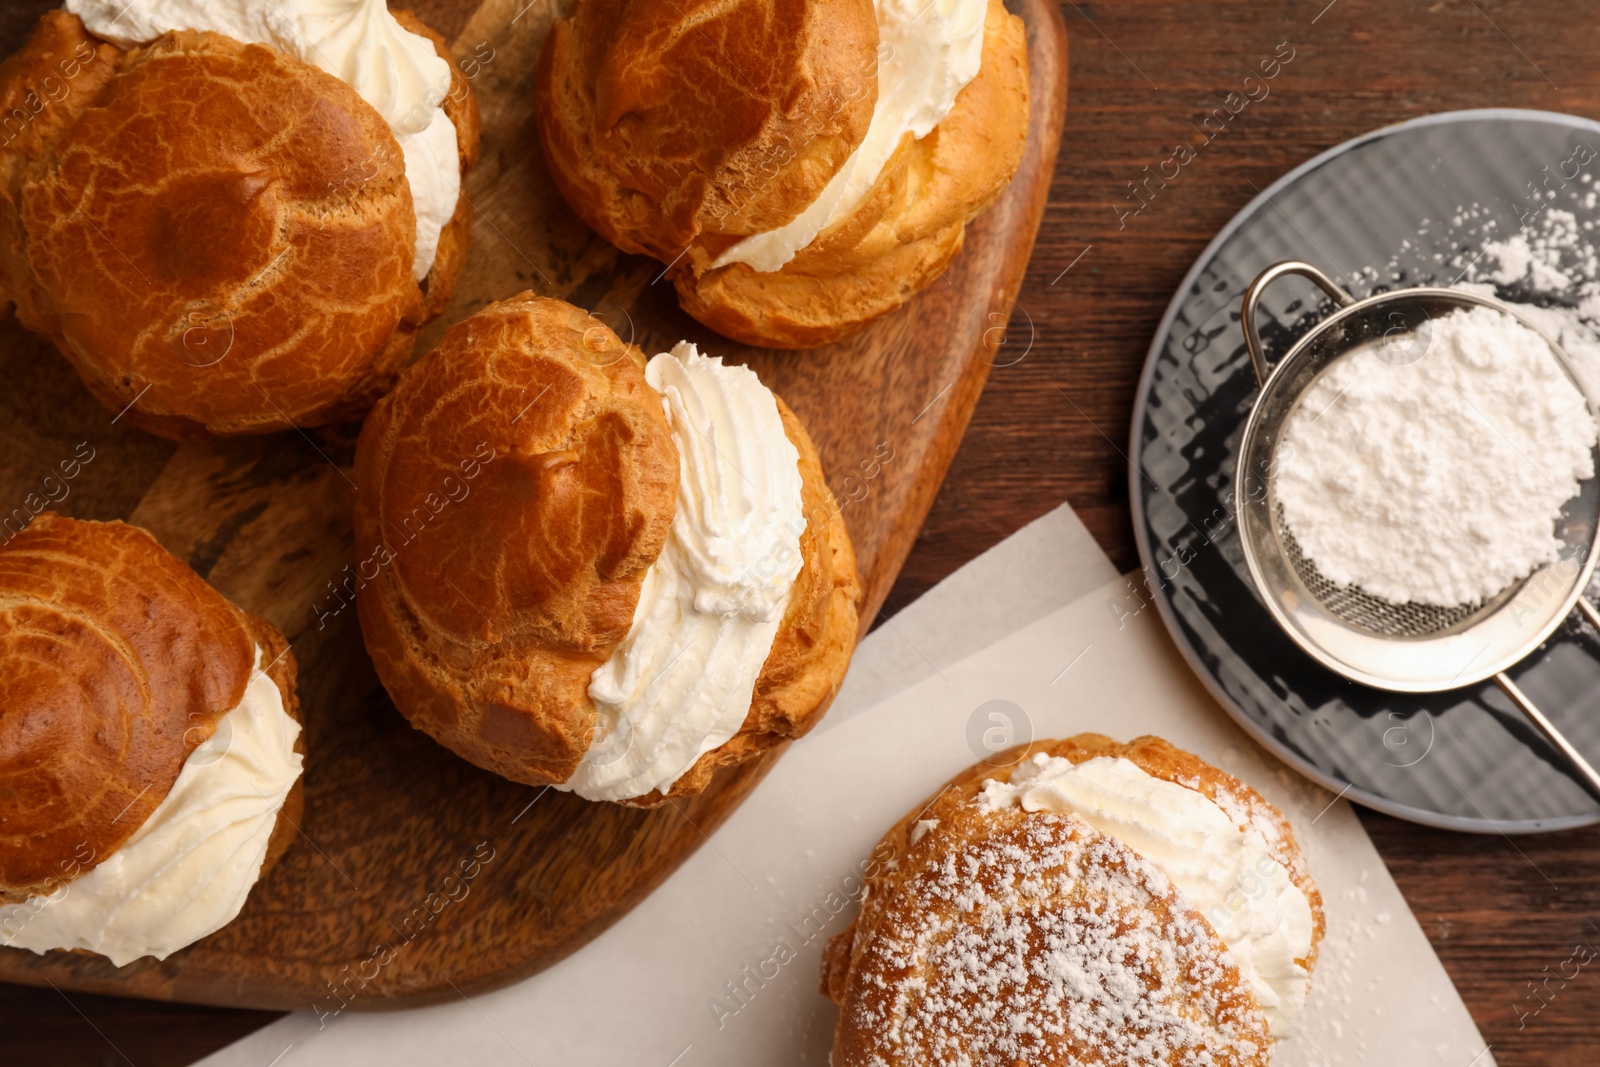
x=1504 y=914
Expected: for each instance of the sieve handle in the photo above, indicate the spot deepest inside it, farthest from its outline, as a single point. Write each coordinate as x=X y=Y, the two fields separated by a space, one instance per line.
x=1252 y=297
x=1584 y=768
x=1588 y=611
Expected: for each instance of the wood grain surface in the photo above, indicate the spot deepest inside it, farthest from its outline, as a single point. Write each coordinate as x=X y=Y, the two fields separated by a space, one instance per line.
x=418 y=877
x=1503 y=915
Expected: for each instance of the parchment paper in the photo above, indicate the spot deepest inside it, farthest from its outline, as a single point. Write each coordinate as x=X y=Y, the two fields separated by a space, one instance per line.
x=720 y=965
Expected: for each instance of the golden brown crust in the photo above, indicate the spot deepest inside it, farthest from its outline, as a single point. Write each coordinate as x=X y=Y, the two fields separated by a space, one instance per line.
x=905 y=231
x=662 y=122
x=43 y=88
x=635 y=148
x=517 y=484
x=556 y=479
x=118 y=662
x=250 y=276
x=952 y=820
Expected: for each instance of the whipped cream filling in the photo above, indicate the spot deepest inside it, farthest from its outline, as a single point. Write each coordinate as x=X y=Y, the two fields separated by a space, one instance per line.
x=358 y=41
x=928 y=50
x=1226 y=874
x=187 y=871
x=681 y=682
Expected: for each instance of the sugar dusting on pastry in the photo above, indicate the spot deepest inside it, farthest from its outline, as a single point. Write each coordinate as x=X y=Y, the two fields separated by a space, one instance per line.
x=929 y=51
x=187 y=870
x=1046 y=941
x=681 y=682
x=1226 y=873
x=358 y=41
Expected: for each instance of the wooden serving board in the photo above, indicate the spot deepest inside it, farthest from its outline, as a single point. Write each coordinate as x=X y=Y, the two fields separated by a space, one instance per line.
x=418 y=877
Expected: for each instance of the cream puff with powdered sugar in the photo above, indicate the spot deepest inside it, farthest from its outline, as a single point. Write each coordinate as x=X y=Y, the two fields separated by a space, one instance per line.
x=1080 y=902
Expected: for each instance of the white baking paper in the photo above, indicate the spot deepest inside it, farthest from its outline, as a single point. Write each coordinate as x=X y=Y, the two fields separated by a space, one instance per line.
x=701 y=972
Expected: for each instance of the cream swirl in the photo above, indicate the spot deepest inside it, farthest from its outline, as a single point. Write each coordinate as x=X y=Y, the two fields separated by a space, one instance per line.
x=186 y=872
x=1226 y=874
x=928 y=50
x=358 y=41
x=681 y=682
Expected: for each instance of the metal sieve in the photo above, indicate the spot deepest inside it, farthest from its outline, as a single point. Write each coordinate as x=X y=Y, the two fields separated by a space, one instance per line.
x=1407 y=648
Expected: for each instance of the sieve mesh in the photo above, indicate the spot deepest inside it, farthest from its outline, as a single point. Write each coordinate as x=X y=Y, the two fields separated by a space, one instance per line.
x=1373 y=614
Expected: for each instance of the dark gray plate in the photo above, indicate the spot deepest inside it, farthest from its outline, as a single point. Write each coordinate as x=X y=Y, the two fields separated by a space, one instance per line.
x=1403 y=206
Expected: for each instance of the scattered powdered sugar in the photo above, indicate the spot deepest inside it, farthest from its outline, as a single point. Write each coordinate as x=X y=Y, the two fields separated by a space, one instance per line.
x=1551 y=257
x=1434 y=472
x=1045 y=941
x=1535 y=258
x=1551 y=272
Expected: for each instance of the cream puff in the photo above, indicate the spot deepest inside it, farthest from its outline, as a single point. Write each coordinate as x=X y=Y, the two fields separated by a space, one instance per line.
x=579 y=569
x=233 y=216
x=1077 y=902
x=802 y=166
x=150 y=750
